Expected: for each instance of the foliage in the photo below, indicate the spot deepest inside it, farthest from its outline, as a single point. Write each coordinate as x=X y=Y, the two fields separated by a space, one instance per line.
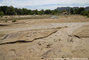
x=80 y=11
x=18 y=11
x=1 y=14
x=88 y=15
x=5 y=10
x=14 y=20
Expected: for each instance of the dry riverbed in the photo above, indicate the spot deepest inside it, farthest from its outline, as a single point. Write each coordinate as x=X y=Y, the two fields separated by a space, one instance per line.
x=45 y=39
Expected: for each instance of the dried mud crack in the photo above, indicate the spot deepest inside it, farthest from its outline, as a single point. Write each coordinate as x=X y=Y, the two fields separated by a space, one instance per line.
x=23 y=41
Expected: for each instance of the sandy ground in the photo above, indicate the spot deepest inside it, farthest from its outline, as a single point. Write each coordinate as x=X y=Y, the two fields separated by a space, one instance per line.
x=45 y=39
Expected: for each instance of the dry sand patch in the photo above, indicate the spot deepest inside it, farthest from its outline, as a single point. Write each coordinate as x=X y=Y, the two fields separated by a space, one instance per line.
x=82 y=32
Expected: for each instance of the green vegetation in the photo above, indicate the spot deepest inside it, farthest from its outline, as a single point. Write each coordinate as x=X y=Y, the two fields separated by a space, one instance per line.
x=80 y=11
x=18 y=11
x=5 y=10
x=88 y=15
x=14 y=20
x=1 y=14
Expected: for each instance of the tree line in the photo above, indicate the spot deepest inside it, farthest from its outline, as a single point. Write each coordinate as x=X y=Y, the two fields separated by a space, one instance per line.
x=81 y=11
x=10 y=10
x=18 y=11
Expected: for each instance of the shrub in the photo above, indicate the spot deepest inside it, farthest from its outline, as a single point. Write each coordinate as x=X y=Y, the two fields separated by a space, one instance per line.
x=14 y=20
x=88 y=15
x=1 y=14
x=85 y=13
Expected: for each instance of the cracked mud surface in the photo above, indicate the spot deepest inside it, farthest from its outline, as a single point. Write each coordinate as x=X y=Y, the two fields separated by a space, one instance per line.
x=56 y=40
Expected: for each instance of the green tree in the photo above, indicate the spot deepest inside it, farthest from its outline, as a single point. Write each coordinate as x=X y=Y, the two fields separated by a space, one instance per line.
x=79 y=11
x=41 y=12
x=72 y=11
x=12 y=10
x=47 y=11
x=35 y=12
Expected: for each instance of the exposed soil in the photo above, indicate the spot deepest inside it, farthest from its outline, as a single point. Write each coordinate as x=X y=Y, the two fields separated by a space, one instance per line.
x=45 y=39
